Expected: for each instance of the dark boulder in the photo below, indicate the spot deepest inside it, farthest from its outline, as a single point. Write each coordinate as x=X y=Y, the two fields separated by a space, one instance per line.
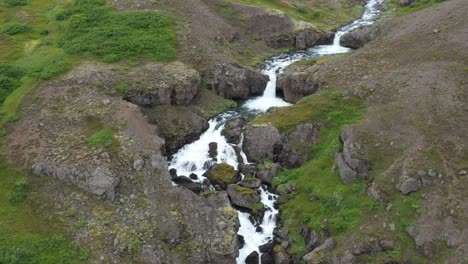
x=296 y=84
x=252 y=258
x=358 y=37
x=213 y=150
x=233 y=81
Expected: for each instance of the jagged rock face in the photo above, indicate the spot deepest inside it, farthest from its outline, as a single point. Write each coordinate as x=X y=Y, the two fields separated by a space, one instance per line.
x=163 y=84
x=358 y=37
x=292 y=152
x=295 y=85
x=315 y=255
x=233 y=81
x=301 y=38
x=178 y=126
x=217 y=199
x=350 y=163
x=259 y=142
x=131 y=175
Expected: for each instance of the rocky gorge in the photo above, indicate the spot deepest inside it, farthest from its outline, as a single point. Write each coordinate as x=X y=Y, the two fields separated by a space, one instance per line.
x=198 y=161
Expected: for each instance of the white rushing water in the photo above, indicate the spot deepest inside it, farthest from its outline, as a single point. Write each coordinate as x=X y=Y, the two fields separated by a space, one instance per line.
x=194 y=158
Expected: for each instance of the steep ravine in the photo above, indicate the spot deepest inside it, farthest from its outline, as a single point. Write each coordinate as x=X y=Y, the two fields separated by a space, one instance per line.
x=194 y=165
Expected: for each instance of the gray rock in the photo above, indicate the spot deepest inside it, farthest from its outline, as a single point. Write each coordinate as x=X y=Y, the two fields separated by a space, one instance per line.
x=233 y=130
x=267 y=259
x=217 y=199
x=311 y=238
x=295 y=85
x=293 y=150
x=213 y=150
x=233 y=81
x=138 y=164
x=408 y=184
x=252 y=183
x=259 y=142
x=314 y=256
x=242 y=197
x=248 y=170
x=281 y=258
x=351 y=151
x=358 y=37
x=346 y=258
x=102 y=182
x=347 y=174
x=267 y=172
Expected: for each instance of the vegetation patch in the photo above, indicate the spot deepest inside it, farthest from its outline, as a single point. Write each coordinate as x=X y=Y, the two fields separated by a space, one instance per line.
x=45 y=62
x=103 y=138
x=25 y=235
x=244 y=191
x=10 y=77
x=14 y=28
x=95 y=29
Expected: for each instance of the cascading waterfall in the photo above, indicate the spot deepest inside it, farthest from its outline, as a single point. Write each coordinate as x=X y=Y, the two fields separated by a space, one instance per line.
x=194 y=158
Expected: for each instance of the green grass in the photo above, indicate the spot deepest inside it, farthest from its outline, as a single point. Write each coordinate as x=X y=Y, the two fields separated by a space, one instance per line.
x=26 y=235
x=420 y=4
x=103 y=138
x=95 y=29
x=345 y=206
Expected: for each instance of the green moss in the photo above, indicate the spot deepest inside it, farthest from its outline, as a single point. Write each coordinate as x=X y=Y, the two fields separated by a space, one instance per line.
x=223 y=172
x=208 y=193
x=244 y=191
x=249 y=180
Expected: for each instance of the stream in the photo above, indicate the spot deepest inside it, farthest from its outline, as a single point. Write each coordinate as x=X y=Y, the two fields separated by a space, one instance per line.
x=194 y=157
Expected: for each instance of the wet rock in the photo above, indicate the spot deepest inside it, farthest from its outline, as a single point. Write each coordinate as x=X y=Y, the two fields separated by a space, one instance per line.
x=295 y=85
x=163 y=84
x=267 y=248
x=358 y=37
x=233 y=81
x=292 y=151
x=222 y=174
x=193 y=176
x=188 y=183
x=242 y=197
x=267 y=259
x=248 y=170
x=252 y=258
x=216 y=199
x=182 y=179
x=267 y=171
x=252 y=183
x=213 y=150
x=259 y=142
x=173 y=173
x=233 y=130
x=408 y=184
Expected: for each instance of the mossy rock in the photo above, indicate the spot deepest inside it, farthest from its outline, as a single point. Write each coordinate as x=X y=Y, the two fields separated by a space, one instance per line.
x=223 y=174
x=243 y=197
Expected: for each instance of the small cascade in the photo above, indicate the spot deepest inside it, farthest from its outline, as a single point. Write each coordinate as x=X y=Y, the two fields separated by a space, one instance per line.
x=194 y=157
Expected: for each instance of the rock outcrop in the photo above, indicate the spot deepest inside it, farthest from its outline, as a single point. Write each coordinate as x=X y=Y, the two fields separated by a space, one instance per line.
x=303 y=36
x=259 y=142
x=233 y=130
x=233 y=81
x=162 y=84
x=358 y=37
x=222 y=174
x=292 y=151
x=295 y=83
x=350 y=162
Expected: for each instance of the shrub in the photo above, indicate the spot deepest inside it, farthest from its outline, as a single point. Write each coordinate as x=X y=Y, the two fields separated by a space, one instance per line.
x=94 y=29
x=14 y=28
